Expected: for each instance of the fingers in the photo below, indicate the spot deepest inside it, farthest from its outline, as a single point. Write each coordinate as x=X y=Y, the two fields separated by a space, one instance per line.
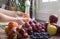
x=20 y=13
x=20 y=22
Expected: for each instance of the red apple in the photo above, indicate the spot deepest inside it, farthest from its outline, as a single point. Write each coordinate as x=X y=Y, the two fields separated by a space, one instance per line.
x=53 y=19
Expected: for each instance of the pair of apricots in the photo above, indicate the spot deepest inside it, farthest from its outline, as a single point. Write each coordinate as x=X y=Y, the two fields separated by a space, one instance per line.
x=11 y=25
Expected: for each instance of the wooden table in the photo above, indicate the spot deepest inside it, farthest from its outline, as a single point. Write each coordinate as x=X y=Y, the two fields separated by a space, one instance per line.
x=55 y=37
x=4 y=36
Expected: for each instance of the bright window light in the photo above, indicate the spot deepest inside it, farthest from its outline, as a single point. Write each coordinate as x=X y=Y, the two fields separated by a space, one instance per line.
x=48 y=0
x=44 y=0
x=52 y=0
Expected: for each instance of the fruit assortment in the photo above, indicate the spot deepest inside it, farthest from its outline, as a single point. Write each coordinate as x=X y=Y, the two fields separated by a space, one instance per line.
x=33 y=29
x=53 y=27
x=14 y=31
x=26 y=30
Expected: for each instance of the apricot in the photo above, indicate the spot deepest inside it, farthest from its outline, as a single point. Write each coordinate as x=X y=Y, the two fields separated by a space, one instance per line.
x=7 y=30
x=26 y=16
x=26 y=20
x=12 y=24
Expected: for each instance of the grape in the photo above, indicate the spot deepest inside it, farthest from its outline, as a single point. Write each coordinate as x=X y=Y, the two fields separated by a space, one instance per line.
x=33 y=37
x=41 y=35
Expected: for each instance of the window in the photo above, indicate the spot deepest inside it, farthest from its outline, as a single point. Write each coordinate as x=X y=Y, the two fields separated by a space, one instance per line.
x=44 y=0
x=48 y=0
x=53 y=0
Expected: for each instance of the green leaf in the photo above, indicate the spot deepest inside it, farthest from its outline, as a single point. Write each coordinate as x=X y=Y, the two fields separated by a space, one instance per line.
x=21 y=6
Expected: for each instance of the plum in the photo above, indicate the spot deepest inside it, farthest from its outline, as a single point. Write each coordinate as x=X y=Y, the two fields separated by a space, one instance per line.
x=53 y=18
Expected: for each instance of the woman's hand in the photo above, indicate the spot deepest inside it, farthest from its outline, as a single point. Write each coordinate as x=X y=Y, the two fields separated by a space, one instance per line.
x=20 y=14
x=20 y=20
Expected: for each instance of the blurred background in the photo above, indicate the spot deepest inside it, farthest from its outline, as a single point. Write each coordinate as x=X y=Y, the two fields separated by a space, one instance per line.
x=39 y=9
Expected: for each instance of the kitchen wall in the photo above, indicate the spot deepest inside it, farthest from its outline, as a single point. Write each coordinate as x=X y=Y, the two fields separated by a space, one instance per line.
x=2 y=1
x=45 y=9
